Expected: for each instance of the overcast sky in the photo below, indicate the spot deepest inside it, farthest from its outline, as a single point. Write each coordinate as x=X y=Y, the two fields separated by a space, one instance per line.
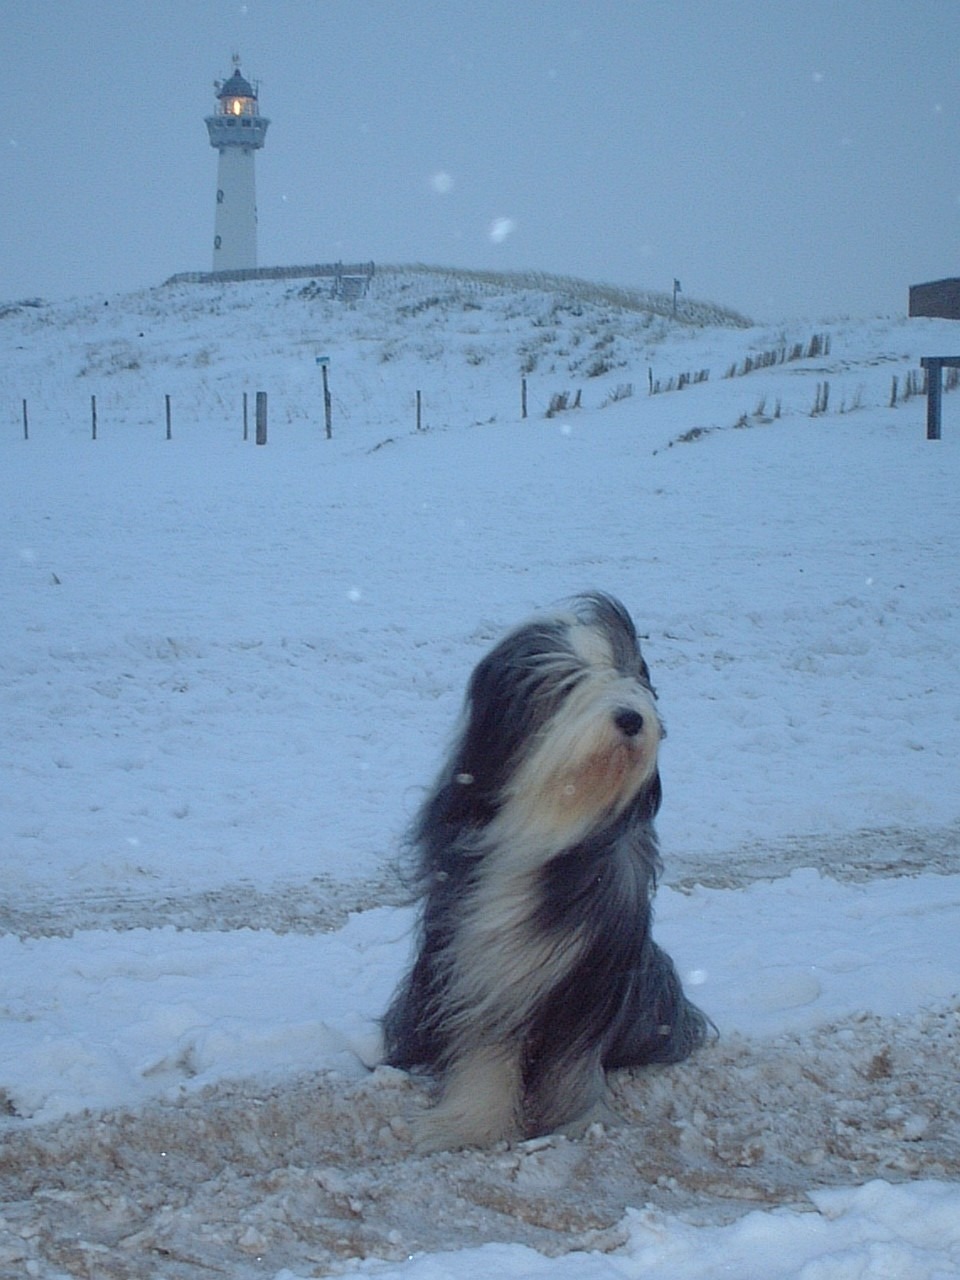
x=783 y=157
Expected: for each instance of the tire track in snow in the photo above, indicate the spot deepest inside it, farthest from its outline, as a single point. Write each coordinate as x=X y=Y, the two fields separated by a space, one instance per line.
x=322 y=904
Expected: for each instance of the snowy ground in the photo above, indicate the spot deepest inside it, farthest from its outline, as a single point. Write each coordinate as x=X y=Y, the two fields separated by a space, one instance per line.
x=227 y=672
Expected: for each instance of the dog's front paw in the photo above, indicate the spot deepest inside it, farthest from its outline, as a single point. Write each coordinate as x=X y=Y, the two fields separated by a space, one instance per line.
x=600 y=1112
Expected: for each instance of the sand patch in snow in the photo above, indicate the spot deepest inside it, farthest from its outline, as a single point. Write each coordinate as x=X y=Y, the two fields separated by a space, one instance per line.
x=242 y=1179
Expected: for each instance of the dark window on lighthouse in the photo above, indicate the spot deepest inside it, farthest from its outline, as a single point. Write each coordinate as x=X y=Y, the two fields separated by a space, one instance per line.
x=220 y=196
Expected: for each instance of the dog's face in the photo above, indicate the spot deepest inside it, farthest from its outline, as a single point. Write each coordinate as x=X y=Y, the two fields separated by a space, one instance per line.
x=562 y=728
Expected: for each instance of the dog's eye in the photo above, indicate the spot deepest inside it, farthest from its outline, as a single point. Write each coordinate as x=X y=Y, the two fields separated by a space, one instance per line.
x=628 y=721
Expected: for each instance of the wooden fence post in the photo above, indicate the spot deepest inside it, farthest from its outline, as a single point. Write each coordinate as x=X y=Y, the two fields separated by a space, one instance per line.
x=246 y=432
x=169 y=431
x=26 y=427
x=419 y=411
x=933 y=366
x=523 y=397
x=327 y=404
x=261 y=417
x=93 y=416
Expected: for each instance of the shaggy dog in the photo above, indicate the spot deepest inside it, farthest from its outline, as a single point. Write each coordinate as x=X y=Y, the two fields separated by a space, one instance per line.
x=537 y=861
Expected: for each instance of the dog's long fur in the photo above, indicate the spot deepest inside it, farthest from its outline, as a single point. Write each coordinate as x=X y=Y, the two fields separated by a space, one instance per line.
x=537 y=861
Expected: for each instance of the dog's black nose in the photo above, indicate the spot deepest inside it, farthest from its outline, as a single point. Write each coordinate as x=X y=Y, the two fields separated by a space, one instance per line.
x=629 y=722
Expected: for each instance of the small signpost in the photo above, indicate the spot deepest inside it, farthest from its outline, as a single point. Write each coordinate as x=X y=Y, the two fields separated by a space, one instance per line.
x=934 y=367
x=324 y=363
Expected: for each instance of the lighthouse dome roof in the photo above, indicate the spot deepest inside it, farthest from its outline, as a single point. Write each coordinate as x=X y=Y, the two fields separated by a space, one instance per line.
x=236 y=87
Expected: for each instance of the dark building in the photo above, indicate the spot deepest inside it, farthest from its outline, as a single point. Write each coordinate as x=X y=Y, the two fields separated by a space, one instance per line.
x=939 y=298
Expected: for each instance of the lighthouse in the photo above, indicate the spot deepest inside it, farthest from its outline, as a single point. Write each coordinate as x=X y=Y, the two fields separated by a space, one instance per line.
x=237 y=130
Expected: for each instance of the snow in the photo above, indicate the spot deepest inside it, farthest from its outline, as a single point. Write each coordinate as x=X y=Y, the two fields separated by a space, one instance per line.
x=166 y=1009
x=227 y=673
x=858 y=1232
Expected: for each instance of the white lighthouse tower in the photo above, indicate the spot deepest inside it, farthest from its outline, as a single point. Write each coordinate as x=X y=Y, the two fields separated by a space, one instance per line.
x=237 y=130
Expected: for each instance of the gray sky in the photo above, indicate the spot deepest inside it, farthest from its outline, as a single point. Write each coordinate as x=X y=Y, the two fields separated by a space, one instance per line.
x=783 y=157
